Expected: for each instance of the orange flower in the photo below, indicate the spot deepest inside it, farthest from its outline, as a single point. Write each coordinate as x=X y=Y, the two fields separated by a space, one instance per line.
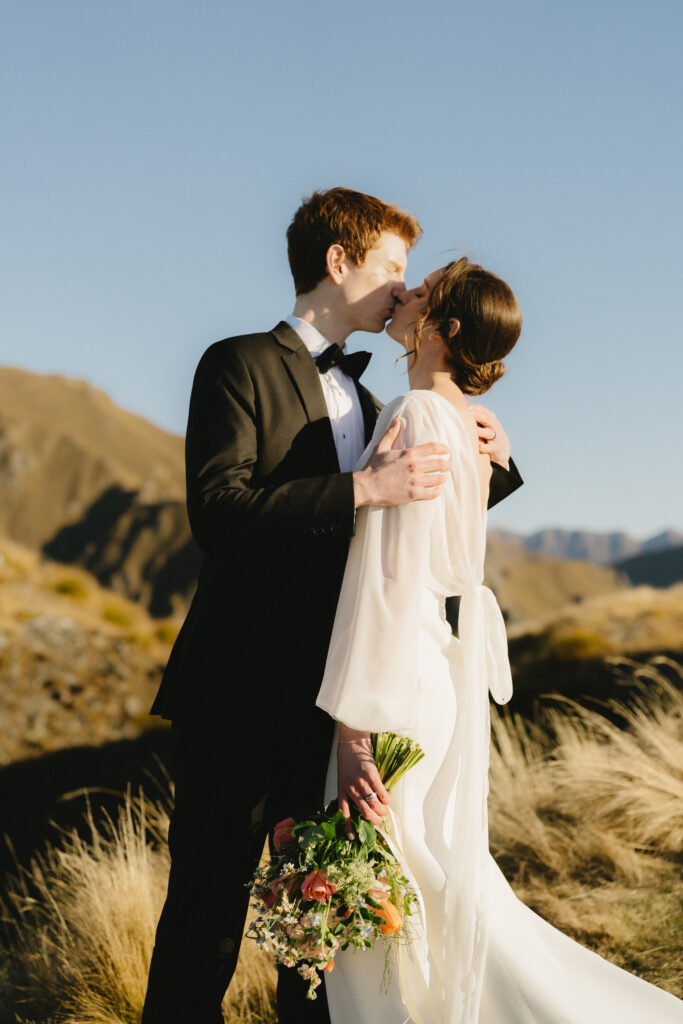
x=316 y=887
x=392 y=918
x=329 y=966
x=282 y=833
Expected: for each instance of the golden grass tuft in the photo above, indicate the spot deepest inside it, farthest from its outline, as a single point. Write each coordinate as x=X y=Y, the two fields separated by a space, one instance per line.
x=71 y=586
x=167 y=631
x=78 y=928
x=588 y=827
x=117 y=615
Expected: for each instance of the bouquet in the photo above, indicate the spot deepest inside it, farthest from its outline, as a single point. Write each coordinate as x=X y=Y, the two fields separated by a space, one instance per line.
x=322 y=892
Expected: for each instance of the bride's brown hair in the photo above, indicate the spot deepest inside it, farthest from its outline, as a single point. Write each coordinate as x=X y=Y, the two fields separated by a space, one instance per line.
x=490 y=323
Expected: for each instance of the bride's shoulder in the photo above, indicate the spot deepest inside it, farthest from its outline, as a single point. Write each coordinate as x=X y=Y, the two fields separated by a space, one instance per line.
x=411 y=401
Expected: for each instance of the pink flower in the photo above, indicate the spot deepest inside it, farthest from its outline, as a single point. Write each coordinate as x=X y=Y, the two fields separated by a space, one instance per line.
x=282 y=833
x=316 y=887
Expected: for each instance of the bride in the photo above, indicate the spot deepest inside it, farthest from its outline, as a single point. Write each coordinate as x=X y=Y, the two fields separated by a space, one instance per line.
x=477 y=955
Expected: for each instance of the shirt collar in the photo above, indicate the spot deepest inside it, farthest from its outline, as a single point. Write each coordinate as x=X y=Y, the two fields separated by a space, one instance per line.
x=314 y=341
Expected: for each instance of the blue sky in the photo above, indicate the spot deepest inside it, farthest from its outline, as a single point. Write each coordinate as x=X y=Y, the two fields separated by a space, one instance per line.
x=154 y=153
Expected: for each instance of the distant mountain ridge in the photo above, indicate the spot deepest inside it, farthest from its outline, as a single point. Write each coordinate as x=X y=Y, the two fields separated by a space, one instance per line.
x=591 y=546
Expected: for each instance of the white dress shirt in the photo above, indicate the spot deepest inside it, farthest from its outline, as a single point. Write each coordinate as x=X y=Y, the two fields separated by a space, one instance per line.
x=341 y=398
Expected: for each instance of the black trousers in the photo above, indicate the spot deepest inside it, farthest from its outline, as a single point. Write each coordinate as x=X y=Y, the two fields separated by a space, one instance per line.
x=216 y=836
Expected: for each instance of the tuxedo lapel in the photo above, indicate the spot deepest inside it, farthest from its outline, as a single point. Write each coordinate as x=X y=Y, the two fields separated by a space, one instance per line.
x=303 y=373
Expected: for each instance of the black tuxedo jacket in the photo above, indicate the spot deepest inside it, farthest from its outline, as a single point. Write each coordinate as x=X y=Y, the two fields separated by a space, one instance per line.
x=273 y=515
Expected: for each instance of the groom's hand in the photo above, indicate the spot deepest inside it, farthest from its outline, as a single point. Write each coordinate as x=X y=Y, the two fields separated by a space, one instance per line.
x=394 y=477
x=358 y=780
x=493 y=441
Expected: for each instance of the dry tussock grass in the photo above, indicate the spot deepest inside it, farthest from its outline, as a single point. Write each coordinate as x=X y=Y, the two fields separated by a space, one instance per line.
x=78 y=929
x=588 y=827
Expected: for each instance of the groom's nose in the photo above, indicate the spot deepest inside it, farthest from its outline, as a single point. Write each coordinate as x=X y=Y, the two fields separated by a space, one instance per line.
x=398 y=289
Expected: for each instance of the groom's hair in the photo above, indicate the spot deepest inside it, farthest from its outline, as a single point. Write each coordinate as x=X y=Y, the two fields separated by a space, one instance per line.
x=340 y=216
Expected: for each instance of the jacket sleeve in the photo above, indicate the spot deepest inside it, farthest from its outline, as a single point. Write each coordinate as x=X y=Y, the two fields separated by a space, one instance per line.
x=503 y=482
x=224 y=501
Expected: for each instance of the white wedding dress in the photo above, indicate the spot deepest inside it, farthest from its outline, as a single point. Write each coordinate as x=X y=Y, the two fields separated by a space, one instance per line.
x=478 y=955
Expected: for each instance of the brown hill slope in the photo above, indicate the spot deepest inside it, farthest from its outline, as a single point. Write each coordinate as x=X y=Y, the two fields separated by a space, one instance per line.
x=63 y=443
x=78 y=664
x=656 y=568
x=142 y=549
x=528 y=584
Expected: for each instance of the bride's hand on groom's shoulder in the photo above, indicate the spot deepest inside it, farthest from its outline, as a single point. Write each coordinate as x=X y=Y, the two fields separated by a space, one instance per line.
x=493 y=441
x=395 y=476
x=358 y=781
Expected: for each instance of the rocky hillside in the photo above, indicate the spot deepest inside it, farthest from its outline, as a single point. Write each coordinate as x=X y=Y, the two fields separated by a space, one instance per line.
x=78 y=664
x=528 y=584
x=63 y=444
x=140 y=548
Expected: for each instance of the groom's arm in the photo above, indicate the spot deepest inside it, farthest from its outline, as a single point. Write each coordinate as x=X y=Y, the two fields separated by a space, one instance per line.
x=221 y=454
x=503 y=482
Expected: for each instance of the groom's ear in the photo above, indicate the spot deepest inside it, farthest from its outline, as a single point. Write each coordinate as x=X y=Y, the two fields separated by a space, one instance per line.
x=334 y=260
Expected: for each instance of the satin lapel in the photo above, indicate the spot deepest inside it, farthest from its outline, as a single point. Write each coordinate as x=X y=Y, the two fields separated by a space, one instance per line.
x=371 y=408
x=300 y=367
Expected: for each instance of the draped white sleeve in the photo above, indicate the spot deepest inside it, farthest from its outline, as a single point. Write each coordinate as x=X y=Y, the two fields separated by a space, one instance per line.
x=371 y=671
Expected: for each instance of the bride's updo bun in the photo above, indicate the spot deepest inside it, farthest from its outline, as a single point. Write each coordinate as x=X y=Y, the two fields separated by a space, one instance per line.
x=490 y=323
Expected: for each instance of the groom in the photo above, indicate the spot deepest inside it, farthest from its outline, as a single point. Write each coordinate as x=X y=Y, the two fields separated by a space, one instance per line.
x=277 y=421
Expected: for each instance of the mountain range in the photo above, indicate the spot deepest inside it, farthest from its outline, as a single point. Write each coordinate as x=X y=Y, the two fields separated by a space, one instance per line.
x=613 y=548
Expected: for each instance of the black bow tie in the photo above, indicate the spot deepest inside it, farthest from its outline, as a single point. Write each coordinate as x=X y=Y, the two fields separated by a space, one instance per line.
x=354 y=364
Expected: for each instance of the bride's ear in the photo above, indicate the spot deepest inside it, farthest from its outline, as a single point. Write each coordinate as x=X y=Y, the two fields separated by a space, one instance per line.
x=453 y=327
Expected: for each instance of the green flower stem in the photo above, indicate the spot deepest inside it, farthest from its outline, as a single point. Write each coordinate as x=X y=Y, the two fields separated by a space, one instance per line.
x=394 y=756
x=324 y=927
